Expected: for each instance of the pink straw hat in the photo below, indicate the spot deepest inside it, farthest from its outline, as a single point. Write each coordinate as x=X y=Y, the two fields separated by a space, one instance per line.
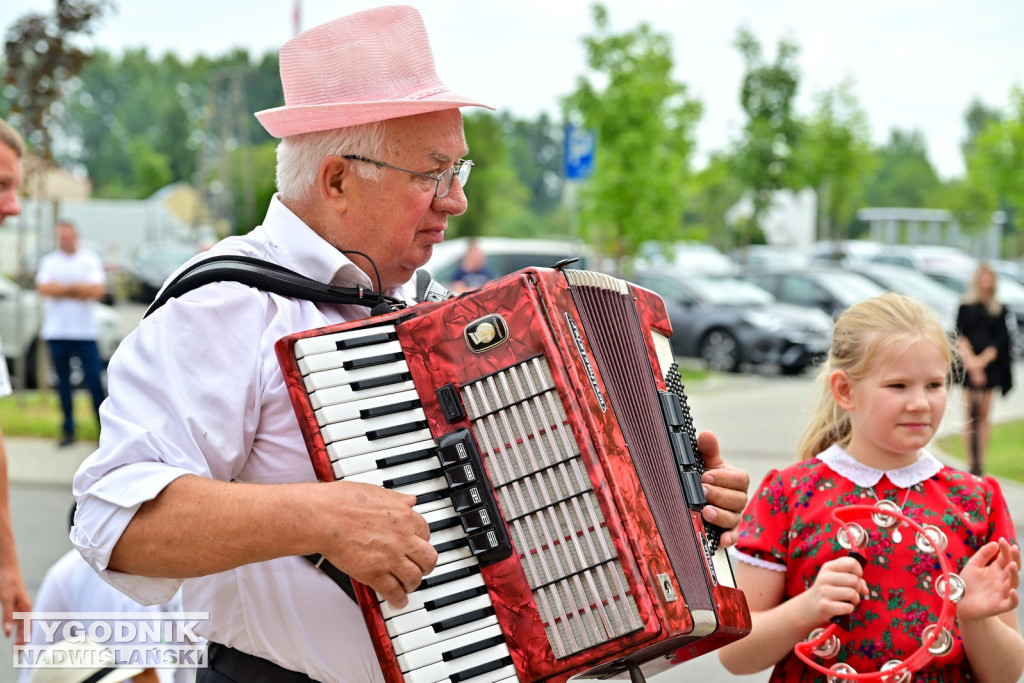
x=365 y=67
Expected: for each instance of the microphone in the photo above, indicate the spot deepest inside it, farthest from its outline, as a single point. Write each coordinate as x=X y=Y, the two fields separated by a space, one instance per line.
x=428 y=289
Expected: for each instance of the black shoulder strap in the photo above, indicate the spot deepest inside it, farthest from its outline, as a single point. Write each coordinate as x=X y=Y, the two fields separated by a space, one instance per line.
x=269 y=277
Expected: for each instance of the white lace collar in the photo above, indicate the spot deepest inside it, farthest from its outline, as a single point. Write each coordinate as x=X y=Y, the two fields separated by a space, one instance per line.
x=844 y=464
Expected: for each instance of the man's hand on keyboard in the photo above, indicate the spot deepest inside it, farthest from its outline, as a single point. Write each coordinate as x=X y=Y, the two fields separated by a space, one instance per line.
x=379 y=540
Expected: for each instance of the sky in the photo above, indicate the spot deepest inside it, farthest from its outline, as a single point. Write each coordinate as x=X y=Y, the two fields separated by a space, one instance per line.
x=914 y=64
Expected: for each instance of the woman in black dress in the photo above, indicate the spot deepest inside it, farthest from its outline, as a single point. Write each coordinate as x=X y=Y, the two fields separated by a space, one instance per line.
x=985 y=349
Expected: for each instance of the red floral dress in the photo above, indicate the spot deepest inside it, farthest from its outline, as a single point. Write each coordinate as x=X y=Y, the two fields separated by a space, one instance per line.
x=788 y=526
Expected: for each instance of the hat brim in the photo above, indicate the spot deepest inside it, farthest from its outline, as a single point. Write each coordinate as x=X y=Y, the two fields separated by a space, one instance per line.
x=282 y=122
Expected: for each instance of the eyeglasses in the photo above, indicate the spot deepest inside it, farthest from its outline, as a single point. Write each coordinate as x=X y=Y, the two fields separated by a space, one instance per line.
x=443 y=181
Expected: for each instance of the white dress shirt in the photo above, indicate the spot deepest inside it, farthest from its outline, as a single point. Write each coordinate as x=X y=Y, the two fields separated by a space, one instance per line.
x=196 y=388
x=67 y=317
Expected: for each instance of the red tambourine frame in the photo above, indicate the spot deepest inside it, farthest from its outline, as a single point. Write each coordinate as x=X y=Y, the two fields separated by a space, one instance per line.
x=920 y=658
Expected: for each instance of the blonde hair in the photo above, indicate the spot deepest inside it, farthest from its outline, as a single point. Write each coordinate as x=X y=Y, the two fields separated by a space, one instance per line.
x=299 y=156
x=861 y=337
x=972 y=295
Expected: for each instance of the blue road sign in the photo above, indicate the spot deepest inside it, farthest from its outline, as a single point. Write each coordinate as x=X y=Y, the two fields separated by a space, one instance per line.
x=580 y=144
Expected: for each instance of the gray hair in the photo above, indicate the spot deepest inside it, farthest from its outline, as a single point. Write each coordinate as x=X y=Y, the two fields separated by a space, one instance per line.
x=299 y=156
x=10 y=138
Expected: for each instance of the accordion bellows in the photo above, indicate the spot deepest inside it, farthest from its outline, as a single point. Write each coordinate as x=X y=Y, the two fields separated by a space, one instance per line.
x=541 y=423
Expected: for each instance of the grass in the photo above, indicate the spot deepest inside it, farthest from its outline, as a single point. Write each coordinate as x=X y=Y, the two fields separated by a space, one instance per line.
x=37 y=414
x=1003 y=458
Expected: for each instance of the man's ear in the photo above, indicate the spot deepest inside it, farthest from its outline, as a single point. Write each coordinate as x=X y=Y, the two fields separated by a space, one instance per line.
x=331 y=179
x=842 y=389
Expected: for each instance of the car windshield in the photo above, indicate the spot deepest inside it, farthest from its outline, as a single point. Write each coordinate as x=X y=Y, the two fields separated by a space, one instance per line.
x=912 y=282
x=728 y=291
x=849 y=288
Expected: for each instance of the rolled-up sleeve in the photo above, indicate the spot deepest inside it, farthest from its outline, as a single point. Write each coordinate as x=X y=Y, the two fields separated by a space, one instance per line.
x=184 y=399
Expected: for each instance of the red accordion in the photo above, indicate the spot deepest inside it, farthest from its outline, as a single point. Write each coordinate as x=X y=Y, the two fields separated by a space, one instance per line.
x=541 y=423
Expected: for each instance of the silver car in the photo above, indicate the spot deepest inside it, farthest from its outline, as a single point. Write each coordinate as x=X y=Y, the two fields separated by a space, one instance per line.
x=21 y=318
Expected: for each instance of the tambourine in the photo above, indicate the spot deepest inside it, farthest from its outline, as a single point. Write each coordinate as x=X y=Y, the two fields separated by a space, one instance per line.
x=937 y=638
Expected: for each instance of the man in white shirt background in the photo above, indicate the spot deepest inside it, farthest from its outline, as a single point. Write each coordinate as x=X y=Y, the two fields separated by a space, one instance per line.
x=72 y=279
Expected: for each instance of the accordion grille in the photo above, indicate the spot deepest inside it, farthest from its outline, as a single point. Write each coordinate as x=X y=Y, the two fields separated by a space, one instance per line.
x=550 y=508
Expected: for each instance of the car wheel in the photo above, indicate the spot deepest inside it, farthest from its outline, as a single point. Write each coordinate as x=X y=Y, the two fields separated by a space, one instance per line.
x=721 y=351
x=791 y=370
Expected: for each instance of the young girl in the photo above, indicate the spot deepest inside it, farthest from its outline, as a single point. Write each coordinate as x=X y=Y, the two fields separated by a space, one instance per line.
x=883 y=394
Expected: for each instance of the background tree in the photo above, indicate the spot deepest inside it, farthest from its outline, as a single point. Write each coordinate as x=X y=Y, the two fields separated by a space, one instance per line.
x=42 y=58
x=995 y=163
x=645 y=127
x=903 y=176
x=835 y=155
x=977 y=117
x=535 y=149
x=713 y=191
x=497 y=199
x=764 y=158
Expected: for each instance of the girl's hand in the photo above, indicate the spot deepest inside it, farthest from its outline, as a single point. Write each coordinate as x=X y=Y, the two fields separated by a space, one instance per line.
x=836 y=591
x=991 y=578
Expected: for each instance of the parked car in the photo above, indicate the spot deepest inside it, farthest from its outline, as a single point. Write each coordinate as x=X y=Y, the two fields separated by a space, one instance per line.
x=506 y=255
x=21 y=319
x=690 y=257
x=769 y=257
x=150 y=266
x=843 y=252
x=925 y=257
x=940 y=298
x=831 y=290
x=1008 y=269
x=727 y=322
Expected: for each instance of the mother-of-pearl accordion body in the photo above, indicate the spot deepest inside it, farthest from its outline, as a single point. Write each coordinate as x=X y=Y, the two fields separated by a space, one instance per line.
x=541 y=423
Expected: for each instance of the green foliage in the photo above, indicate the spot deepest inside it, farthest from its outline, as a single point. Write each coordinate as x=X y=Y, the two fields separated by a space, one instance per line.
x=904 y=176
x=1003 y=456
x=251 y=173
x=535 y=149
x=995 y=161
x=42 y=59
x=834 y=156
x=496 y=196
x=186 y=119
x=713 y=191
x=645 y=123
x=764 y=159
x=37 y=414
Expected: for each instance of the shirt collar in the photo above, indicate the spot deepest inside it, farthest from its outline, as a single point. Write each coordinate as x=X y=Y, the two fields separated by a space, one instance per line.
x=842 y=463
x=306 y=252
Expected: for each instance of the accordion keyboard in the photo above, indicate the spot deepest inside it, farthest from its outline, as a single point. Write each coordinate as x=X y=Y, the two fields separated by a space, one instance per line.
x=375 y=432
